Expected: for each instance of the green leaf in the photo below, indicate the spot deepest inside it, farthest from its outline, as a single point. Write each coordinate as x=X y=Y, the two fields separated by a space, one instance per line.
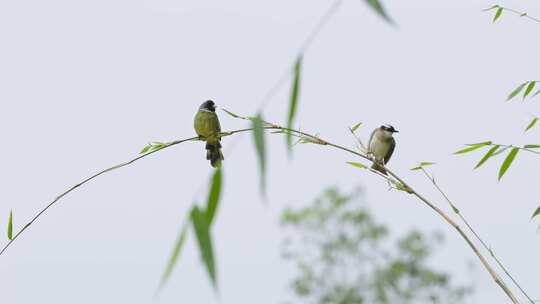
x=498 y=14
x=531 y=124
x=487 y=156
x=516 y=91
x=213 y=197
x=200 y=225
x=174 y=256
x=258 y=133
x=358 y=165
x=377 y=6
x=529 y=88
x=145 y=149
x=508 y=161
x=356 y=126
x=10 y=226
x=531 y=146
x=295 y=92
x=536 y=212
x=422 y=165
x=473 y=147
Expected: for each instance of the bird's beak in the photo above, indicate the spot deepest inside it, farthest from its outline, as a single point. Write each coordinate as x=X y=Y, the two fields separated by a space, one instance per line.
x=396 y=131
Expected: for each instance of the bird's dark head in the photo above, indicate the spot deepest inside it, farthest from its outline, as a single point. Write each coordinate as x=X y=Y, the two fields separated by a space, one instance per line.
x=208 y=105
x=389 y=128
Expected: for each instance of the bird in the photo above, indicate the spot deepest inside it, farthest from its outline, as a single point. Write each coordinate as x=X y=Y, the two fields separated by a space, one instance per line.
x=207 y=127
x=381 y=146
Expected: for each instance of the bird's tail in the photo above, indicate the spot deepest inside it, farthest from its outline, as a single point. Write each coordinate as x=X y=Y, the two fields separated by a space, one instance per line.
x=379 y=168
x=214 y=154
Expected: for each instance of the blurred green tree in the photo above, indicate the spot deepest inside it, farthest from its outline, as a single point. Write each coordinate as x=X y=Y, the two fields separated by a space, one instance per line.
x=344 y=256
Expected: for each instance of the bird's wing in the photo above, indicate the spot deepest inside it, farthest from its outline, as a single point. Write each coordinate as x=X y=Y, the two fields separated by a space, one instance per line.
x=390 y=151
x=370 y=140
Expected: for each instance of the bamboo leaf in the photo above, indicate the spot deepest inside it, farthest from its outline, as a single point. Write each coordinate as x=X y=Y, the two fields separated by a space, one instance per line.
x=487 y=156
x=10 y=225
x=516 y=91
x=379 y=9
x=529 y=88
x=536 y=212
x=213 y=197
x=422 y=165
x=498 y=14
x=531 y=146
x=295 y=92
x=358 y=165
x=200 y=225
x=508 y=161
x=145 y=149
x=531 y=124
x=473 y=147
x=356 y=126
x=258 y=133
x=174 y=256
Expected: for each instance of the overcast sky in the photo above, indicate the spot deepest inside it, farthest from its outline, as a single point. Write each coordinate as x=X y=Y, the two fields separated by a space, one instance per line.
x=86 y=84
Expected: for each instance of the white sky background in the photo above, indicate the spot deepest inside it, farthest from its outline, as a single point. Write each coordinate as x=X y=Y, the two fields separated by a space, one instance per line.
x=84 y=85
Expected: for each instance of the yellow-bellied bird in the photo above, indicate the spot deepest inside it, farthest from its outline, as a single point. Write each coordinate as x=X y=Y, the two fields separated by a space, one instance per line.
x=207 y=126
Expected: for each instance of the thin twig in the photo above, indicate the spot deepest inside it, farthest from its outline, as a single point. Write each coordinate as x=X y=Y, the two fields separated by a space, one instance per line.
x=521 y=14
x=486 y=247
x=512 y=146
x=327 y=16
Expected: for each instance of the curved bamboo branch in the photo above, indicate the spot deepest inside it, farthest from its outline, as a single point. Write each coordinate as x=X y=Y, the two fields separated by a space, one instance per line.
x=314 y=139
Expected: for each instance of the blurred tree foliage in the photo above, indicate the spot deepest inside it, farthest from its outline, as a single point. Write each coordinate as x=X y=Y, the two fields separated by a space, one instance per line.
x=344 y=256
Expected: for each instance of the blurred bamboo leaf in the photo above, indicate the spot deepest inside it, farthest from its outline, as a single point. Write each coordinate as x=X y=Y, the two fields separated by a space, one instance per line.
x=377 y=6
x=174 y=256
x=200 y=225
x=516 y=91
x=489 y=154
x=536 y=212
x=258 y=133
x=294 y=98
x=358 y=165
x=213 y=197
x=529 y=88
x=145 y=149
x=422 y=165
x=498 y=14
x=356 y=126
x=10 y=225
x=508 y=161
x=473 y=147
x=532 y=123
x=531 y=146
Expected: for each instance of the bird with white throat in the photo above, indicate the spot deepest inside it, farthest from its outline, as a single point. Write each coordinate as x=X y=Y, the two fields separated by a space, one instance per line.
x=381 y=146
